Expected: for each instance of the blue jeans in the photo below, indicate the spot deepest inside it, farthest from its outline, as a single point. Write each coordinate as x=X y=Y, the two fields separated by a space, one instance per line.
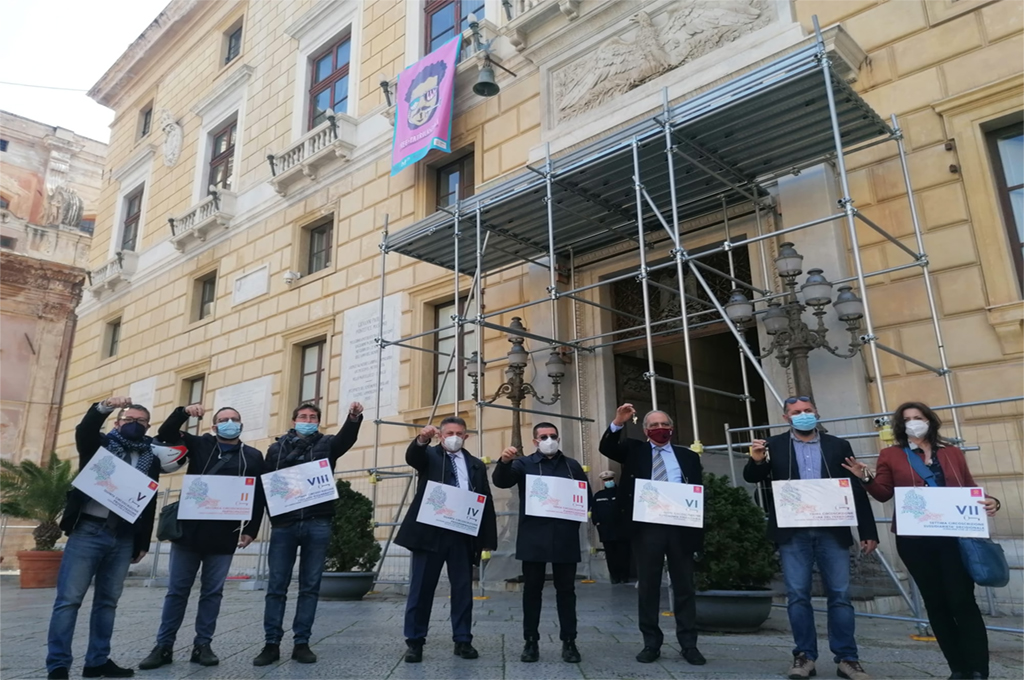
x=806 y=547
x=310 y=536
x=184 y=565
x=92 y=551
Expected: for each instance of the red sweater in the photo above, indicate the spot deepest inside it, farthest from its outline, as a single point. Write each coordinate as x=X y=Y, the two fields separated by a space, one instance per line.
x=894 y=470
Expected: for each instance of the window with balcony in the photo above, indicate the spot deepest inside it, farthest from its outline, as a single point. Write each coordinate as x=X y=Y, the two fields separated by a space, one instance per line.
x=311 y=373
x=1006 y=149
x=329 y=81
x=447 y=380
x=111 y=338
x=455 y=181
x=222 y=158
x=446 y=19
x=193 y=389
x=130 y=226
x=233 y=42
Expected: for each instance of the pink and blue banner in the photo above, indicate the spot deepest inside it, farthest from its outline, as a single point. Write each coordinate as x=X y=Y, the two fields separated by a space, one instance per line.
x=423 y=106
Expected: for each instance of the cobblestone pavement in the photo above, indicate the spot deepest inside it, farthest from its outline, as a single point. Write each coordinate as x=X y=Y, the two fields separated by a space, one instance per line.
x=364 y=640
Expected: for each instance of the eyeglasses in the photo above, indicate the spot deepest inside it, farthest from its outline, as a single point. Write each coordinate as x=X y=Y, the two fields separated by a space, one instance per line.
x=140 y=421
x=793 y=400
x=545 y=437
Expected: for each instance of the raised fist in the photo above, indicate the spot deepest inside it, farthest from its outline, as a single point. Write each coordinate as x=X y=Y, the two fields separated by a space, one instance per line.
x=757 y=450
x=426 y=434
x=195 y=410
x=119 y=402
x=509 y=454
x=355 y=409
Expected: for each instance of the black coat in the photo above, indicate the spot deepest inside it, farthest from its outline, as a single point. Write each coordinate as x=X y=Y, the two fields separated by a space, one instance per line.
x=218 y=537
x=636 y=459
x=88 y=439
x=542 y=539
x=611 y=514
x=290 y=449
x=782 y=465
x=429 y=463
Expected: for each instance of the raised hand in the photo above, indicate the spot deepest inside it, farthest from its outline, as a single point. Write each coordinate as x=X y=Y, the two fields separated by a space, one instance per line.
x=623 y=414
x=509 y=454
x=858 y=468
x=427 y=434
x=195 y=410
x=118 y=402
x=355 y=409
x=758 y=450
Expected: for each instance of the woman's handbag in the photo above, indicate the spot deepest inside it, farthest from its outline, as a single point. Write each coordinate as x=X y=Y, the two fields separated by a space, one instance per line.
x=983 y=558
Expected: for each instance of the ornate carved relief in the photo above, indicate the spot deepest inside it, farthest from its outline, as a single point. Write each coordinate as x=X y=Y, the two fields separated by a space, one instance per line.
x=173 y=138
x=63 y=205
x=650 y=47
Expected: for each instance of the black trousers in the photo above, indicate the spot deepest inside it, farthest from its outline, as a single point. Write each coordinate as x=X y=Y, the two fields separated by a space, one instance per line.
x=456 y=551
x=652 y=543
x=617 y=554
x=565 y=598
x=948 y=594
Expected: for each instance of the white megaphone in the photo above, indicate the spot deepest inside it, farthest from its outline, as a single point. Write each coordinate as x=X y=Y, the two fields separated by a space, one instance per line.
x=171 y=456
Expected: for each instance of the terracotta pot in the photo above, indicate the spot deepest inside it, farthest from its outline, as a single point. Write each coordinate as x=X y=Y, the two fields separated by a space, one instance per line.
x=39 y=567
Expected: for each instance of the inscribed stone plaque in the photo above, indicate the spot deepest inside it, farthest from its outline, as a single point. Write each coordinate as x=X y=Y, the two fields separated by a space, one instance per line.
x=359 y=358
x=252 y=401
x=143 y=392
x=250 y=285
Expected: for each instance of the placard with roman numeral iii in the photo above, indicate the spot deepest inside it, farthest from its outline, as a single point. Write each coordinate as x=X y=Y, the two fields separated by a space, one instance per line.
x=556 y=497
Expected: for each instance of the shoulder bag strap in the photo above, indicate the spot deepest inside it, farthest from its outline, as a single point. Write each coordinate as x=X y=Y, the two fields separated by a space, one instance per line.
x=919 y=467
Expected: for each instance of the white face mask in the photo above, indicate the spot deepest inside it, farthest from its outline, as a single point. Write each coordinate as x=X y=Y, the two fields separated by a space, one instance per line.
x=916 y=428
x=548 y=447
x=452 y=444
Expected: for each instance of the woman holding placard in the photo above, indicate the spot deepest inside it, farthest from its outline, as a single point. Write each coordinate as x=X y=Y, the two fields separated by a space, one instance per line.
x=933 y=561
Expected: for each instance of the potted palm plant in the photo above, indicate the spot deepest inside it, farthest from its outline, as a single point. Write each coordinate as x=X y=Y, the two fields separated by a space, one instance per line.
x=37 y=493
x=738 y=561
x=353 y=551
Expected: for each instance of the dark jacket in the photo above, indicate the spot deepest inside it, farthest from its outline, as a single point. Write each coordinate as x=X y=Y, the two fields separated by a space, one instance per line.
x=88 y=439
x=290 y=449
x=219 y=537
x=611 y=514
x=636 y=460
x=428 y=461
x=782 y=465
x=542 y=539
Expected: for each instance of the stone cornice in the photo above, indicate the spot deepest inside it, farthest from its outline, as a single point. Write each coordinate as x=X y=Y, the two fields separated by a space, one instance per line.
x=1000 y=89
x=238 y=79
x=144 y=156
x=312 y=18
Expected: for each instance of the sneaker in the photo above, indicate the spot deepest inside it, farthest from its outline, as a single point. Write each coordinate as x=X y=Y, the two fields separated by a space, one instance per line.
x=802 y=668
x=160 y=656
x=107 y=670
x=569 y=652
x=465 y=650
x=204 y=656
x=268 y=655
x=852 y=670
x=59 y=673
x=303 y=654
x=530 y=652
x=413 y=653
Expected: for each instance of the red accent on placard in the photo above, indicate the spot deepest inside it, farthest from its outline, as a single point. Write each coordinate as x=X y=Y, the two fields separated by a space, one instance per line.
x=481 y=499
x=976 y=493
x=698 y=489
x=153 y=485
x=249 y=481
x=583 y=485
x=323 y=463
x=844 y=483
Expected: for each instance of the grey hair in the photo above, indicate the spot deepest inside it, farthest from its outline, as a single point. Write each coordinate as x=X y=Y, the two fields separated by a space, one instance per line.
x=651 y=413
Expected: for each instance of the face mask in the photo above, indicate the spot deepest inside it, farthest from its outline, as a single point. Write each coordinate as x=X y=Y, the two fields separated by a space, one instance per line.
x=804 y=422
x=452 y=444
x=306 y=429
x=916 y=428
x=229 y=429
x=133 y=431
x=548 y=447
x=660 y=435
x=609 y=485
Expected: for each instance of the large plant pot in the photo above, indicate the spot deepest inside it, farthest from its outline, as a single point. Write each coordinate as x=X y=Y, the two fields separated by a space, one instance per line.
x=39 y=567
x=349 y=585
x=733 y=611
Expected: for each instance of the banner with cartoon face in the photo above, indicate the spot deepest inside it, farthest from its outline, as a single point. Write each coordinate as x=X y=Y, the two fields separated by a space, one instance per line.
x=423 y=106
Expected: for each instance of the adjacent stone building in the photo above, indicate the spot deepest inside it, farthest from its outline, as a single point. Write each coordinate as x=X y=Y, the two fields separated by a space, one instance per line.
x=237 y=258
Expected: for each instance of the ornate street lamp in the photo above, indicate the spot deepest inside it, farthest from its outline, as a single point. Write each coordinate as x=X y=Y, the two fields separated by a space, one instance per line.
x=515 y=387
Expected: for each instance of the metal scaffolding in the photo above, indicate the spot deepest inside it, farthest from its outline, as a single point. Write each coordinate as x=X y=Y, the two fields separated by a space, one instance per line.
x=715 y=153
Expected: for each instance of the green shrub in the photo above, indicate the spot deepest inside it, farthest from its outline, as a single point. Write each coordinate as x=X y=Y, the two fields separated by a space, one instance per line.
x=353 y=546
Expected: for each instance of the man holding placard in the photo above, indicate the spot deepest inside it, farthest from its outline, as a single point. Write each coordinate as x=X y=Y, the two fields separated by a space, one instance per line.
x=815 y=502
x=661 y=482
x=220 y=509
x=109 y=520
x=450 y=521
x=300 y=490
x=554 y=499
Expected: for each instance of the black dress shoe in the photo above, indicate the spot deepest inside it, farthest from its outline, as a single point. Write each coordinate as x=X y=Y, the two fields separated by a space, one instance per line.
x=569 y=652
x=303 y=654
x=648 y=655
x=107 y=670
x=268 y=655
x=465 y=650
x=160 y=656
x=956 y=675
x=530 y=652
x=978 y=674
x=59 y=673
x=694 y=657
x=204 y=656
x=414 y=653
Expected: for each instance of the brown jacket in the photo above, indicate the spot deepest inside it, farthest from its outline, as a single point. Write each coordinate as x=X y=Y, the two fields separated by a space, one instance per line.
x=894 y=470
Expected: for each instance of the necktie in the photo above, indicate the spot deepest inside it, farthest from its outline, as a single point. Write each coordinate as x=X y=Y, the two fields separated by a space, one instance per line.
x=658 y=472
x=454 y=469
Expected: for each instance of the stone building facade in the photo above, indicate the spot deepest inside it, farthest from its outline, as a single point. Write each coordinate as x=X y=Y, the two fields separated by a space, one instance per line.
x=231 y=278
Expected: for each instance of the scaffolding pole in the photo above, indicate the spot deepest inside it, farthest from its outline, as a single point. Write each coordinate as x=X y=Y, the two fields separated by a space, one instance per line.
x=747 y=399
x=644 y=274
x=380 y=359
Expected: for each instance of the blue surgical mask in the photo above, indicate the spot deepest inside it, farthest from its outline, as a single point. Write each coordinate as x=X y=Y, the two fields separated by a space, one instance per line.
x=609 y=484
x=229 y=429
x=804 y=422
x=306 y=429
x=133 y=431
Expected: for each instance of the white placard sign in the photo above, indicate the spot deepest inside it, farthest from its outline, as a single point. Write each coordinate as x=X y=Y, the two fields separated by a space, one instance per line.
x=450 y=507
x=299 y=486
x=940 y=511
x=801 y=503
x=680 y=505
x=116 y=485
x=252 y=401
x=143 y=392
x=359 y=358
x=556 y=497
x=217 y=497
x=250 y=285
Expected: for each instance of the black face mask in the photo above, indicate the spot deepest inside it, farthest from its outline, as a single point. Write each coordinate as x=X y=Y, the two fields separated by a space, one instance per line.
x=132 y=431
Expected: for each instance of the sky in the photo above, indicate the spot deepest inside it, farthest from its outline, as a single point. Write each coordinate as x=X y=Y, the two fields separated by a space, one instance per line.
x=66 y=44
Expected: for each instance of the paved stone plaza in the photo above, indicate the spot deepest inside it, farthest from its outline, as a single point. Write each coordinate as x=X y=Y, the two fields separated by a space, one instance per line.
x=364 y=640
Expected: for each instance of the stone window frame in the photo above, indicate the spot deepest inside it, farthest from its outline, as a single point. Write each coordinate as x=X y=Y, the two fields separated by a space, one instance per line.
x=327 y=83
x=226 y=103
x=467 y=344
x=195 y=294
x=966 y=117
x=301 y=242
x=294 y=340
x=110 y=324
x=1003 y=189
x=237 y=27
x=145 y=124
x=134 y=175
x=416 y=30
